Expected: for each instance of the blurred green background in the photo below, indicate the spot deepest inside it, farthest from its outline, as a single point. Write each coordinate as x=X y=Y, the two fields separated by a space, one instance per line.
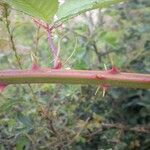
x=72 y=117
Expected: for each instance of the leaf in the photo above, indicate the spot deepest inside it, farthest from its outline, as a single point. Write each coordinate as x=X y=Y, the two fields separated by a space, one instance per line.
x=24 y=119
x=8 y=106
x=75 y=7
x=112 y=37
x=4 y=45
x=21 y=142
x=41 y=9
x=80 y=139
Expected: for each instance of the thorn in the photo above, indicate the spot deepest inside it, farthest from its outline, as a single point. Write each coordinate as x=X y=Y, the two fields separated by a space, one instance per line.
x=57 y=64
x=2 y=87
x=113 y=70
x=101 y=77
x=34 y=62
x=104 y=92
x=105 y=89
x=35 y=67
x=97 y=90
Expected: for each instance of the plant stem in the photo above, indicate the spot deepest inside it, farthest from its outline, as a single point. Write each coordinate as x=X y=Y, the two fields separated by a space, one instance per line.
x=121 y=79
x=11 y=37
x=55 y=52
x=119 y=126
x=142 y=129
x=51 y=43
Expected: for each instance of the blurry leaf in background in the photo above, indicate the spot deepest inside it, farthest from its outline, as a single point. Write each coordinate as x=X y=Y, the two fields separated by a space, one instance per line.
x=3 y=6
x=4 y=45
x=44 y=9
x=24 y=119
x=21 y=143
x=75 y=7
x=7 y=106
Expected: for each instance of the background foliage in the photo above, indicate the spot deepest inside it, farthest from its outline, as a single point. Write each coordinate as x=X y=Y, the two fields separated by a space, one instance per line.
x=71 y=116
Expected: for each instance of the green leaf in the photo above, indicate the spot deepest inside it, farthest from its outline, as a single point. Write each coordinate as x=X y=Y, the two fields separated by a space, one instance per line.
x=24 y=119
x=21 y=142
x=41 y=9
x=75 y=7
x=111 y=37
x=8 y=106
